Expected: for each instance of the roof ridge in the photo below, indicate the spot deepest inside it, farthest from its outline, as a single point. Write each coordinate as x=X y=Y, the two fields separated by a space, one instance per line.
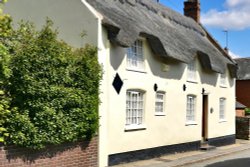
x=163 y=12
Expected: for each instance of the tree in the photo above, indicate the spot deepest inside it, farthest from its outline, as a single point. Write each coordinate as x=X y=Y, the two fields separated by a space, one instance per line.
x=48 y=90
x=5 y=29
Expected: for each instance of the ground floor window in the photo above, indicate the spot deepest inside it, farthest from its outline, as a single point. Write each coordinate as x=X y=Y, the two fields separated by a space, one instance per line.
x=134 y=107
x=159 y=102
x=191 y=103
x=222 y=108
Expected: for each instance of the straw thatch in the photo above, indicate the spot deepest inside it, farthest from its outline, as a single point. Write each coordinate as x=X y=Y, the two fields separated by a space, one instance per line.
x=243 y=72
x=170 y=34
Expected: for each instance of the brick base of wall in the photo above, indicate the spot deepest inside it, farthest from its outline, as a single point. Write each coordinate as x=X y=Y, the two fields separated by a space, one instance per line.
x=243 y=128
x=80 y=154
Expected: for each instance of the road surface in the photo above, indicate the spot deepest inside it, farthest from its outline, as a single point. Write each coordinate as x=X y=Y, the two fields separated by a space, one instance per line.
x=240 y=159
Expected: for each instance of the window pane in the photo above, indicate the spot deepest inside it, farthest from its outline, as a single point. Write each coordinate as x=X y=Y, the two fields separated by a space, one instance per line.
x=191 y=71
x=159 y=102
x=135 y=55
x=134 y=110
x=222 y=108
x=223 y=79
x=190 y=113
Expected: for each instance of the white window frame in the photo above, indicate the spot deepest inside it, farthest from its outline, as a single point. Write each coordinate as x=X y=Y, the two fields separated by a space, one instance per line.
x=223 y=80
x=160 y=103
x=192 y=72
x=134 y=109
x=222 y=109
x=135 y=56
x=191 y=110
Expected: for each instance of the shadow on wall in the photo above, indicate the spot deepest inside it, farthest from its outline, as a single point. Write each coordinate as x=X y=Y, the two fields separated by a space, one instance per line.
x=166 y=68
x=117 y=56
x=175 y=69
x=243 y=162
x=231 y=82
x=208 y=77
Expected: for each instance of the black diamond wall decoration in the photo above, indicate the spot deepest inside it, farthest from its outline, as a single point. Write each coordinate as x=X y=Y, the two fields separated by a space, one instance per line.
x=117 y=83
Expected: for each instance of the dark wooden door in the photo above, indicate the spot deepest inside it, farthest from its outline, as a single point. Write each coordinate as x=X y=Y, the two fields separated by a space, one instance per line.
x=204 y=116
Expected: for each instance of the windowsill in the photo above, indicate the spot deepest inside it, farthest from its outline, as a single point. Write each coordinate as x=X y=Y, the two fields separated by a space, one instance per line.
x=136 y=70
x=134 y=127
x=222 y=120
x=192 y=81
x=190 y=123
x=159 y=114
x=223 y=86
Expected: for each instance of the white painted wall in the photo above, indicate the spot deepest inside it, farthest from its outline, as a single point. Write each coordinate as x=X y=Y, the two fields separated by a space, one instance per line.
x=171 y=128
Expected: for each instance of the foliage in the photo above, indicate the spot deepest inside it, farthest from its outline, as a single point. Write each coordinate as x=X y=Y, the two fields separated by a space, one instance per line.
x=52 y=88
x=2 y=2
x=5 y=31
x=247 y=111
x=4 y=100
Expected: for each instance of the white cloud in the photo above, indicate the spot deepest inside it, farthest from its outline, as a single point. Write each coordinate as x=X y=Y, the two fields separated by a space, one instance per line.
x=233 y=55
x=235 y=3
x=236 y=16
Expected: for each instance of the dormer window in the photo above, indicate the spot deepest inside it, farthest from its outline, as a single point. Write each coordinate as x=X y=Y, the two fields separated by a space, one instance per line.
x=223 y=82
x=135 y=59
x=191 y=72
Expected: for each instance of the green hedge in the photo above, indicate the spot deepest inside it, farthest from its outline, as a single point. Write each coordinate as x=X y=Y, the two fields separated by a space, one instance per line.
x=52 y=89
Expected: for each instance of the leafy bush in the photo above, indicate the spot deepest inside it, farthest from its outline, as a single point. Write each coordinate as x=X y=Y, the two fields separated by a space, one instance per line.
x=5 y=31
x=53 y=89
x=247 y=111
x=4 y=100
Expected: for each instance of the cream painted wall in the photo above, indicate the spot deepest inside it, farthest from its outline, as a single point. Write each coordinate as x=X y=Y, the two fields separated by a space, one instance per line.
x=171 y=128
x=70 y=17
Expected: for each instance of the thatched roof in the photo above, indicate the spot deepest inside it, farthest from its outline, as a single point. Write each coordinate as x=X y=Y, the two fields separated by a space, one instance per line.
x=170 y=34
x=243 y=72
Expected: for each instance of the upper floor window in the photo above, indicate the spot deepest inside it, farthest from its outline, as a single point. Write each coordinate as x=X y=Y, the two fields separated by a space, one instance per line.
x=222 y=108
x=190 y=110
x=191 y=71
x=223 y=79
x=134 y=107
x=135 y=59
x=159 y=103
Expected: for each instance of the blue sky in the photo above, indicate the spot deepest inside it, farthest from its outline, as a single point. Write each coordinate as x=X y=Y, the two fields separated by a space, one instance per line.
x=219 y=15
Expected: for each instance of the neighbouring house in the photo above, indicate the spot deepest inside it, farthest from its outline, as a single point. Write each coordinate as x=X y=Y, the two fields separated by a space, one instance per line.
x=167 y=84
x=243 y=81
x=243 y=97
x=240 y=109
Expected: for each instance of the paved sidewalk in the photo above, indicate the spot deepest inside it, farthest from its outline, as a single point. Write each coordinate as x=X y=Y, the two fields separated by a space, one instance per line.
x=182 y=159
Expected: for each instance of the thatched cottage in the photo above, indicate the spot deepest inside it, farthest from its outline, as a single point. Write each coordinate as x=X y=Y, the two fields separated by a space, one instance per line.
x=167 y=84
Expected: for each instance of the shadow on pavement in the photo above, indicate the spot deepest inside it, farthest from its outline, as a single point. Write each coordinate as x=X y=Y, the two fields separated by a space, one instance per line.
x=243 y=162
